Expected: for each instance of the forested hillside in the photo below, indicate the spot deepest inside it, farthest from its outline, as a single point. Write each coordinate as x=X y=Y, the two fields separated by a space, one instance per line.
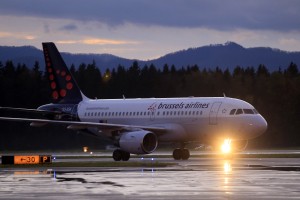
x=276 y=95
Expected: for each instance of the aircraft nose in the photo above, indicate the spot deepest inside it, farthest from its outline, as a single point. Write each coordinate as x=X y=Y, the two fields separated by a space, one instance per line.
x=261 y=125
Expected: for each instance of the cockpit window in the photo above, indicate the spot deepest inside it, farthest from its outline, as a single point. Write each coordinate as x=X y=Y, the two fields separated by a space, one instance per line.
x=232 y=111
x=248 y=111
x=255 y=111
x=239 y=111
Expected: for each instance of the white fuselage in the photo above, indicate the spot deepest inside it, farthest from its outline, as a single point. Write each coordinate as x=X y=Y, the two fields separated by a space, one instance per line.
x=188 y=119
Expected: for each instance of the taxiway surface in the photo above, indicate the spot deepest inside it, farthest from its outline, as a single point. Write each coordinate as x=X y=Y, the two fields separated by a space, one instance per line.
x=197 y=178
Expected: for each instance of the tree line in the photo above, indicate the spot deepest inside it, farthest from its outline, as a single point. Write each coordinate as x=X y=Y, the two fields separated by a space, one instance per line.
x=276 y=94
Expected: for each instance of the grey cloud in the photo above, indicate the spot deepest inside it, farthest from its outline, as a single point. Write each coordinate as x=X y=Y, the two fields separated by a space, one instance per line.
x=69 y=27
x=46 y=28
x=280 y=15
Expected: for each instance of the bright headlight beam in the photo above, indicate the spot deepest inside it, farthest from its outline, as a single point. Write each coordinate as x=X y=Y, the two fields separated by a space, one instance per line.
x=226 y=146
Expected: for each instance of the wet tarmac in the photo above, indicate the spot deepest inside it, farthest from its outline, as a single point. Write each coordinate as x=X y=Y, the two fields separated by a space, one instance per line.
x=197 y=178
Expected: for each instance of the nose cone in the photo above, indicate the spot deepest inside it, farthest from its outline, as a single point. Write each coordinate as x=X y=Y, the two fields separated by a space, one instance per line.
x=260 y=125
x=254 y=126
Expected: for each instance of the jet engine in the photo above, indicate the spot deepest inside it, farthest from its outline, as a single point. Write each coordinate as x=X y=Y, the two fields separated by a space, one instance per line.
x=138 y=142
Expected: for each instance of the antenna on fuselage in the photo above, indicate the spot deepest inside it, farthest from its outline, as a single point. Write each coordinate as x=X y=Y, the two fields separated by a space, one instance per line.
x=224 y=94
x=123 y=96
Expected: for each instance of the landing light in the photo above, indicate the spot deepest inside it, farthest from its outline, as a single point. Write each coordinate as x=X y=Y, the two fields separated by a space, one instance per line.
x=226 y=146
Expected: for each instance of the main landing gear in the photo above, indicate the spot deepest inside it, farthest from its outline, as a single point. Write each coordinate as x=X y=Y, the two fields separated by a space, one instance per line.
x=181 y=153
x=121 y=155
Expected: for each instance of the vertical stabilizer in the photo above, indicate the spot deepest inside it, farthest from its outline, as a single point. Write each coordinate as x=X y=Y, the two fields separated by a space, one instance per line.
x=64 y=88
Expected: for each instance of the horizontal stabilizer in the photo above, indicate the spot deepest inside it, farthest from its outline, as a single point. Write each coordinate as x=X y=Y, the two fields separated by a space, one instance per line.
x=80 y=125
x=29 y=110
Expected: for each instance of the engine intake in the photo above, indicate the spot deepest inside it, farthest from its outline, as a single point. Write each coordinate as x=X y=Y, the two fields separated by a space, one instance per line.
x=138 y=142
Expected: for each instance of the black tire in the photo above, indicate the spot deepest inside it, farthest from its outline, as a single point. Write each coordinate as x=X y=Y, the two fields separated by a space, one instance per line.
x=125 y=155
x=185 y=154
x=177 y=154
x=117 y=155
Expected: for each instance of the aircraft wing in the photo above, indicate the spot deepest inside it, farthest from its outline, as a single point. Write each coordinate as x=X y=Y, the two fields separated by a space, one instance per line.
x=76 y=125
x=30 y=110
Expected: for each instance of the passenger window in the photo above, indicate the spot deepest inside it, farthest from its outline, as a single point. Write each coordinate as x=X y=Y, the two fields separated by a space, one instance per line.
x=232 y=111
x=248 y=111
x=157 y=113
x=239 y=111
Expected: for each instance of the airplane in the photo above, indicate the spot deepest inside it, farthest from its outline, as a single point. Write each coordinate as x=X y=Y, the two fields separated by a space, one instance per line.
x=138 y=126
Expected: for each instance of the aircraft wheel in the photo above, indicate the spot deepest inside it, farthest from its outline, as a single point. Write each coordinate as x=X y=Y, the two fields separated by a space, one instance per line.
x=177 y=154
x=185 y=154
x=117 y=155
x=125 y=155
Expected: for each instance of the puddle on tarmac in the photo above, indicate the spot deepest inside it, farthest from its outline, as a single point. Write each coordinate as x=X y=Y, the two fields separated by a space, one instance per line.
x=82 y=180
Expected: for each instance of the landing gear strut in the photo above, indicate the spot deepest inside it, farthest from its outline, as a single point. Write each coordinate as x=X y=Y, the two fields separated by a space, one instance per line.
x=120 y=155
x=182 y=153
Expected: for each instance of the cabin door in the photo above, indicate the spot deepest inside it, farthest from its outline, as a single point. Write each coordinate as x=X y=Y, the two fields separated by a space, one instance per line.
x=213 y=115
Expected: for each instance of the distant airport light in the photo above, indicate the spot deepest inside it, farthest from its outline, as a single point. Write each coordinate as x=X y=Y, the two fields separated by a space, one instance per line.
x=85 y=149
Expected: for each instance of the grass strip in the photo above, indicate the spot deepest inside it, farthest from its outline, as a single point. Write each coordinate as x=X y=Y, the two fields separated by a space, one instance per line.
x=94 y=164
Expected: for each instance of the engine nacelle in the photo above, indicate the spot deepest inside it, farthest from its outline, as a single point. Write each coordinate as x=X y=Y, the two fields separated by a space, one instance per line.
x=138 y=142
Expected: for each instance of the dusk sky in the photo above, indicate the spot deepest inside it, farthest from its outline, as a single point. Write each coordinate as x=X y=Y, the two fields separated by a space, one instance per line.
x=144 y=29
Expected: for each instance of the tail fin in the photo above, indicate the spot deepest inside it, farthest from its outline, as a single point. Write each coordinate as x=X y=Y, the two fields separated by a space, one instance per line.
x=64 y=88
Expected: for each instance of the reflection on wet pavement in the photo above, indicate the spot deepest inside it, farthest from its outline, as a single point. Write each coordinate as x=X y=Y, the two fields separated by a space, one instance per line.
x=194 y=179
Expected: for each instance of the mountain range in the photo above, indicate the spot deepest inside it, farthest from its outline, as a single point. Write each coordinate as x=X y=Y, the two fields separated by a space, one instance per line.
x=228 y=55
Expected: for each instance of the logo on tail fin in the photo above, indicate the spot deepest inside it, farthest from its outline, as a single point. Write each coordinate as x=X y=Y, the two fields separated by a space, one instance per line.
x=63 y=86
